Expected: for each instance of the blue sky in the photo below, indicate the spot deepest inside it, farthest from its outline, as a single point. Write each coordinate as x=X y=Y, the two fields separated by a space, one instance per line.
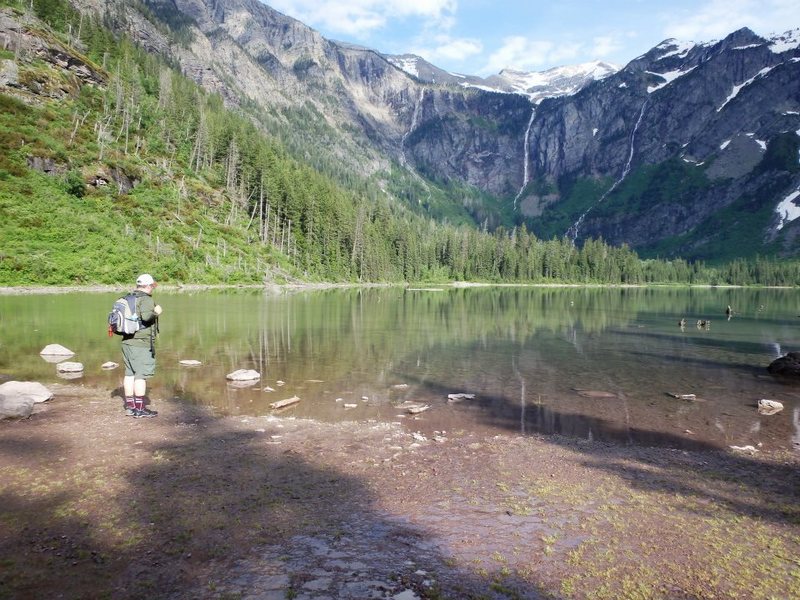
x=481 y=37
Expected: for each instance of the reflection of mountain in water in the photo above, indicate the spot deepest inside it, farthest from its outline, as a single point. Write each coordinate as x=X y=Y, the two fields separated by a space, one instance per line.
x=521 y=350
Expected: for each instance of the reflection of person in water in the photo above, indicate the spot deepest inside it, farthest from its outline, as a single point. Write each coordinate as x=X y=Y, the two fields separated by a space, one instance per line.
x=729 y=312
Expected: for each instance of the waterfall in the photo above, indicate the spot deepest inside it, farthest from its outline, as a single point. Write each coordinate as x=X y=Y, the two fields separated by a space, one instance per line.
x=403 y=160
x=414 y=123
x=573 y=231
x=526 y=146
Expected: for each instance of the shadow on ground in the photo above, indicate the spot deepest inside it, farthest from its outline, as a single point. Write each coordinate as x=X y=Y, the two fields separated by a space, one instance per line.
x=189 y=506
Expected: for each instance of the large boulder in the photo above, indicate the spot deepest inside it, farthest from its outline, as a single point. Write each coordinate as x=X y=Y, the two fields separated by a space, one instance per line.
x=17 y=398
x=788 y=365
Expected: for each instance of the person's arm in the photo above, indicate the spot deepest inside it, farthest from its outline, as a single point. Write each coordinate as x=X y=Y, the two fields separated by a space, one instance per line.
x=147 y=312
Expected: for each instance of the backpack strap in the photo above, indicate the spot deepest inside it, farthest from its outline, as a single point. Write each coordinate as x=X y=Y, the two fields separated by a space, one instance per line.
x=131 y=300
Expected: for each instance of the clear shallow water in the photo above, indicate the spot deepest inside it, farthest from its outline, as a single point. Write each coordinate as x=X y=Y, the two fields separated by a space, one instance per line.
x=523 y=352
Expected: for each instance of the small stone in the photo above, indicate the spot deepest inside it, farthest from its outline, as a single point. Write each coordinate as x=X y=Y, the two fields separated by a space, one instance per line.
x=189 y=362
x=69 y=367
x=748 y=449
x=109 y=365
x=769 y=407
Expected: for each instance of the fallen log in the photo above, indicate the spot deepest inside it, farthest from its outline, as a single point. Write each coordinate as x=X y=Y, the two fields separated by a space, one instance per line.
x=285 y=403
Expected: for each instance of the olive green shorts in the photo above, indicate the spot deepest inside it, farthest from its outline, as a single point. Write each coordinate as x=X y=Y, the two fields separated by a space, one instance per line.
x=139 y=361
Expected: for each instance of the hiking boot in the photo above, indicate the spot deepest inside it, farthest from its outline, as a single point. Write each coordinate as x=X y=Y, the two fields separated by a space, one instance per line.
x=145 y=412
x=130 y=412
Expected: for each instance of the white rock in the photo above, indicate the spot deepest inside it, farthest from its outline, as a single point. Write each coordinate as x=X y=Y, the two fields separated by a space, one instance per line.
x=17 y=398
x=749 y=449
x=188 y=362
x=769 y=407
x=457 y=397
x=56 y=350
x=69 y=367
x=406 y=595
x=243 y=375
x=15 y=407
x=34 y=389
x=109 y=365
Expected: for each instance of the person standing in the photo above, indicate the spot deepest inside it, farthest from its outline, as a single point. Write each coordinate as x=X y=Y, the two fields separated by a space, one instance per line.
x=139 y=350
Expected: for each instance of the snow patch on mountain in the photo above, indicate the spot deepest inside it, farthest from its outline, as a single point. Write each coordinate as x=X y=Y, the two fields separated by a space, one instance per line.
x=741 y=86
x=558 y=81
x=668 y=77
x=675 y=48
x=787 y=209
x=789 y=40
x=406 y=63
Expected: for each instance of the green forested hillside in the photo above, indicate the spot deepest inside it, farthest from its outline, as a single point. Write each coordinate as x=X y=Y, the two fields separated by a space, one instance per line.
x=114 y=163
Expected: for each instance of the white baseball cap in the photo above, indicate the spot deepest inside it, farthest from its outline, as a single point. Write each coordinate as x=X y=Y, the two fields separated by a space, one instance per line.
x=145 y=279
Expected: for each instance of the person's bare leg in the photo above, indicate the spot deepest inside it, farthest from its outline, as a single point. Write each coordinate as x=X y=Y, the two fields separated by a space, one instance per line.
x=127 y=387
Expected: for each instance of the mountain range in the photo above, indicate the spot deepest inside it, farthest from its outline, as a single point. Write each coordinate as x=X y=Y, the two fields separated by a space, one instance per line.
x=689 y=150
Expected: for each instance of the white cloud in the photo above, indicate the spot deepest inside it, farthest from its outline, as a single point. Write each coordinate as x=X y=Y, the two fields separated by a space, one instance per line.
x=450 y=49
x=605 y=46
x=714 y=19
x=360 y=18
x=519 y=52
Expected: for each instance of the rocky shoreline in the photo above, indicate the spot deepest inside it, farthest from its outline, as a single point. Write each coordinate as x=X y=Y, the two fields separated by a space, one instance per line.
x=199 y=506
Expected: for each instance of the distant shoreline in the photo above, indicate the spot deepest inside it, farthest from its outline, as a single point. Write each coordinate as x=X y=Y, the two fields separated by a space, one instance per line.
x=292 y=287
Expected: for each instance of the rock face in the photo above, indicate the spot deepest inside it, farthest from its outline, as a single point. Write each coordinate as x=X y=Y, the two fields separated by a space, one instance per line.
x=788 y=365
x=17 y=398
x=682 y=133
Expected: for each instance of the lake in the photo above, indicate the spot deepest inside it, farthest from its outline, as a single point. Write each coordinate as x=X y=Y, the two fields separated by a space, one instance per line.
x=588 y=363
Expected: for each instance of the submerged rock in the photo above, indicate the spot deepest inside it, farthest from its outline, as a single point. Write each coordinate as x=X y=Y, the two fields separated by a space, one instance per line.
x=786 y=365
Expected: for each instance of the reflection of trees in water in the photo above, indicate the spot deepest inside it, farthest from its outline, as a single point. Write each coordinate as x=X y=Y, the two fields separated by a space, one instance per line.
x=366 y=329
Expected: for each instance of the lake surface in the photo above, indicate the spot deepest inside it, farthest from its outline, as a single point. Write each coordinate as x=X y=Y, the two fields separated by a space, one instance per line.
x=525 y=353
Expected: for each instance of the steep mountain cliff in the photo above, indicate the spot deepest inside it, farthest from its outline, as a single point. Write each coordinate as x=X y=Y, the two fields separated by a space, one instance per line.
x=690 y=149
